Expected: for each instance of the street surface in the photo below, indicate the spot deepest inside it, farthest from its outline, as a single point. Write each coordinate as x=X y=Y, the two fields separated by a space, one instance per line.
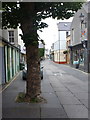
x=64 y=88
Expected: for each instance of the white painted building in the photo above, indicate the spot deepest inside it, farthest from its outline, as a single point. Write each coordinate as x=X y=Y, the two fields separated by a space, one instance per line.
x=12 y=36
x=41 y=45
x=47 y=53
x=60 y=45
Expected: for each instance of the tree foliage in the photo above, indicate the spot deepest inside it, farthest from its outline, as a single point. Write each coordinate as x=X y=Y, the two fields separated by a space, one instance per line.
x=14 y=13
x=41 y=52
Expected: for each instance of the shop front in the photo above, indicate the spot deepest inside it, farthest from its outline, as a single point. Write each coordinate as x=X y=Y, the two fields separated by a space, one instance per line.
x=10 y=61
x=79 y=57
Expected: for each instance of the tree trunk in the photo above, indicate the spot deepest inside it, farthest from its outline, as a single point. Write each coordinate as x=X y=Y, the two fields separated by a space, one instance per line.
x=33 y=72
x=30 y=37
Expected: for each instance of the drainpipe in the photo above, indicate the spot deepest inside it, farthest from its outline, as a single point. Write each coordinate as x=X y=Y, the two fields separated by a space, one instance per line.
x=88 y=44
x=59 y=46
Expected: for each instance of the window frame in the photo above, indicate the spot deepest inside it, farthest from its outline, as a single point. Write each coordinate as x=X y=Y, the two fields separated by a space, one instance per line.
x=11 y=36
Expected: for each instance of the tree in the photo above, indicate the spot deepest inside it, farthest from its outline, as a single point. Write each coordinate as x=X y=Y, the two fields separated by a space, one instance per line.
x=29 y=15
x=41 y=52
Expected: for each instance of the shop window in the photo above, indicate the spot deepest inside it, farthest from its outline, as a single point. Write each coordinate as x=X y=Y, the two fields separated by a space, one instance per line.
x=78 y=55
x=82 y=57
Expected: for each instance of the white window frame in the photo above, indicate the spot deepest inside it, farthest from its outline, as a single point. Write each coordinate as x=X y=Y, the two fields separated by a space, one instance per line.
x=11 y=36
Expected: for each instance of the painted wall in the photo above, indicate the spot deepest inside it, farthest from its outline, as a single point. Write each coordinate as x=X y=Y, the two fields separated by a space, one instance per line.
x=20 y=41
x=76 y=27
x=61 y=43
x=78 y=35
x=59 y=57
x=6 y=36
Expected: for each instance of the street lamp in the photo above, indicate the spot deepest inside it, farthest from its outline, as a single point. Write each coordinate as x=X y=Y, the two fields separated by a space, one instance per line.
x=59 y=47
x=82 y=19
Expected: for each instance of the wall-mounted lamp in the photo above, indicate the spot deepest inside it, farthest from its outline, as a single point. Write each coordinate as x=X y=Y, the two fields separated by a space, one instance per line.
x=81 y=17
x=83 y=21
x=84 y=43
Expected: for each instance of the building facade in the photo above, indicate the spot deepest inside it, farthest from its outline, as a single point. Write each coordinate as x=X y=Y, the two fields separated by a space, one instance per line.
x=52 y=52
x=10 y=59
x=60 y=45
x=10 y=51
x=79 y=38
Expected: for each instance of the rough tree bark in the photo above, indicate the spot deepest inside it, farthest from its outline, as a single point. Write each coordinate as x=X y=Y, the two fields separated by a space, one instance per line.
x=33 y=66
x=33 y=76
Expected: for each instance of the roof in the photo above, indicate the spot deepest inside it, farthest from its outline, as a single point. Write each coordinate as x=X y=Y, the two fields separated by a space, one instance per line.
x=64 y=26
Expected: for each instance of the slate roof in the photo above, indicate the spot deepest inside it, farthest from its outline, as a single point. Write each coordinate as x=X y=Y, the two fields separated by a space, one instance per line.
x=64 y=26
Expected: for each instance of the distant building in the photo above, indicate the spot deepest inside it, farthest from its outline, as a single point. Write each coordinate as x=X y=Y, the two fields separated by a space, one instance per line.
x=47 y=53
x=52 y=52
x=41 y=45
x=60 y=45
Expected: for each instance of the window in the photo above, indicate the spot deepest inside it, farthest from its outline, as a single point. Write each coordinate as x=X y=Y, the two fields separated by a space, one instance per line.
x=11 y=36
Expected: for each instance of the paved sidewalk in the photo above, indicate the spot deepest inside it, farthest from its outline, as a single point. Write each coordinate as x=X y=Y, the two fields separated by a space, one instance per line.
x=66 y=95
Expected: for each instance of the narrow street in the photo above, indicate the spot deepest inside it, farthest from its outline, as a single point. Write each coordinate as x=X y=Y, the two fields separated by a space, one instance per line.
x=64 y=88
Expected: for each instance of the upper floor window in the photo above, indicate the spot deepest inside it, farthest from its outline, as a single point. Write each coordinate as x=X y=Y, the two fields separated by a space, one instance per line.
x=11 y=36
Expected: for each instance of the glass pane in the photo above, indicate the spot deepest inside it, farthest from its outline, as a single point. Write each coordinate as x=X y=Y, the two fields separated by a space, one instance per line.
x=11 y=36
x=12 y=39
x=11 y=33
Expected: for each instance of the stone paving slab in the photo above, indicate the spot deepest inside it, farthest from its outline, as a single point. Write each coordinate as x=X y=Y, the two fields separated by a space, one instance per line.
x=60 y=89
x=56 y=84
x=66 y=94
x=51 y=101
x=53 y=113
x=72 y=82
x=47 y=88
x=21 y=112
x=76 y=89
x=85 y=102
x=69 y=100
x=76 y=111
x=82 y=95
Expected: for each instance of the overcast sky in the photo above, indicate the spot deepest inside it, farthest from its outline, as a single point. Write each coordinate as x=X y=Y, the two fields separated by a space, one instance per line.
x=50 y=34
